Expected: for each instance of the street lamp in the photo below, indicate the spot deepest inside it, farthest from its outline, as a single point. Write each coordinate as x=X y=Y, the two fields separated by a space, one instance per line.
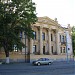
x=25 y=46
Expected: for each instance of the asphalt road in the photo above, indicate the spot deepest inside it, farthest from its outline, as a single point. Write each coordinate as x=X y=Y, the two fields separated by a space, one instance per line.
x=57 y=68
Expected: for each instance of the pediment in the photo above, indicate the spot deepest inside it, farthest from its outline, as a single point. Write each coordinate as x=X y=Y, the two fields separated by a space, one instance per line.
x=48 y=21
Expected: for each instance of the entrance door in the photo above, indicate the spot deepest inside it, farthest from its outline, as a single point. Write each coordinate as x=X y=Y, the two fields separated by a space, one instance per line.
x=52 y=49
x=43 y=49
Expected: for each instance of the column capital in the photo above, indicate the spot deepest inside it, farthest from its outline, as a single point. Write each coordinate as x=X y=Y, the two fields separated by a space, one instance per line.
x=41 y=27
x=32 y=27
x=57 y=30
x=49 y=29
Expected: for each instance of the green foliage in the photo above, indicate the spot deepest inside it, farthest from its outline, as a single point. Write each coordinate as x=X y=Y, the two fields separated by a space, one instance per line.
x=16 y=16
x=73 y=39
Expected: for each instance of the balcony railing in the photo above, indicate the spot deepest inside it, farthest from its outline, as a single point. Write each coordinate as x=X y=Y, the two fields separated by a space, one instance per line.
x=63 y=43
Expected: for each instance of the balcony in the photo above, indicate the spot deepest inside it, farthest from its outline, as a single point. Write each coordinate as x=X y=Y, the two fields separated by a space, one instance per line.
x=63 y=43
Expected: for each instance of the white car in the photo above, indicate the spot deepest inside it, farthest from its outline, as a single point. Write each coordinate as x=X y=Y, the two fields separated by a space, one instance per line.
x=42 y=61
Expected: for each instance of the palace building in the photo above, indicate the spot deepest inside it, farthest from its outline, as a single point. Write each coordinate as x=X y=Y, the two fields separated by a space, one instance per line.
x=50 y=40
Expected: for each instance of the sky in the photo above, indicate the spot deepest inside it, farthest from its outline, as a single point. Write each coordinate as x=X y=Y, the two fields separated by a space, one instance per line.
x=63 y=10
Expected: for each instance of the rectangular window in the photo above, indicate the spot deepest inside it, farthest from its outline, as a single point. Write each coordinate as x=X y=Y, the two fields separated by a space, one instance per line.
x=61 y=49
x=21 y=35
x=60 y=38
x=15 y=48
x=52 y=48
x=43 y=36
x=43 y=49
x=51 y=37
x=34 y=35
x=34 y=48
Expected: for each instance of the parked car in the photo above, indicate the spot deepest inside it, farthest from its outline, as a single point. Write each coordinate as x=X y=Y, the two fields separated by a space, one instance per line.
x=42 y=61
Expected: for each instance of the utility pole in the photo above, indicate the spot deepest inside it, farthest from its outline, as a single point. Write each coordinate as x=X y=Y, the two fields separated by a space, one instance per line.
x=25 y=47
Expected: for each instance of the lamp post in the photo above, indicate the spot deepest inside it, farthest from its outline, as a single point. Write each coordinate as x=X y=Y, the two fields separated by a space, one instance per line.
x=25 y=46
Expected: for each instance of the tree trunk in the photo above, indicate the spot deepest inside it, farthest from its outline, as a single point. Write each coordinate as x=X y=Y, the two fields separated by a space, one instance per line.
x=7 y=56
x=5 y=44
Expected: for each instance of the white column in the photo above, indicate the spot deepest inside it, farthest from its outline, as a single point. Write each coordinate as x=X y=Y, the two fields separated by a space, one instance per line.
x=49 y=41
x=31 y=42
x=31 y=45
x=24 y=41
x=41 y=41
x=57 y=41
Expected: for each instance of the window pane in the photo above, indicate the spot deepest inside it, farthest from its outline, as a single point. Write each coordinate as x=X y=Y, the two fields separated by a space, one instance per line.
x=34 y=35
x=43 y=36
x=34 y=48
x=51 y=37
x=21 y=34
x=60 y=38
x=61 y=49
x=52 y=48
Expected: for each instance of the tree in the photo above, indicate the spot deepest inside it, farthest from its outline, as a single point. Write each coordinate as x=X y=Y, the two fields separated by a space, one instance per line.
x=73 y=39
x=15 y=16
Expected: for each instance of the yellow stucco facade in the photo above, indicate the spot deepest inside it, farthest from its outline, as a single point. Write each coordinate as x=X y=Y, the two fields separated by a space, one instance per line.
x=49 y=40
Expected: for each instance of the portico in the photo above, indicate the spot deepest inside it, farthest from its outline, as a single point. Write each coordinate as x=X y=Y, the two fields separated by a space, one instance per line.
x=45 y=42
x=50 y=39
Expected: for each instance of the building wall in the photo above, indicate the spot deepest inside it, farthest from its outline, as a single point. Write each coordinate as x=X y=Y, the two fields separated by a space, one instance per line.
x=49 y=41
x=48 y=26
x=69 y=42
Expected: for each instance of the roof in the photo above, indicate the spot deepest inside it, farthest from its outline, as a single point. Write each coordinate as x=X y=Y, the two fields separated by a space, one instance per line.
x=49 y=21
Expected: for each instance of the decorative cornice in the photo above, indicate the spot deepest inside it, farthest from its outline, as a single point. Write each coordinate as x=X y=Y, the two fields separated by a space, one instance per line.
x=49 y=21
